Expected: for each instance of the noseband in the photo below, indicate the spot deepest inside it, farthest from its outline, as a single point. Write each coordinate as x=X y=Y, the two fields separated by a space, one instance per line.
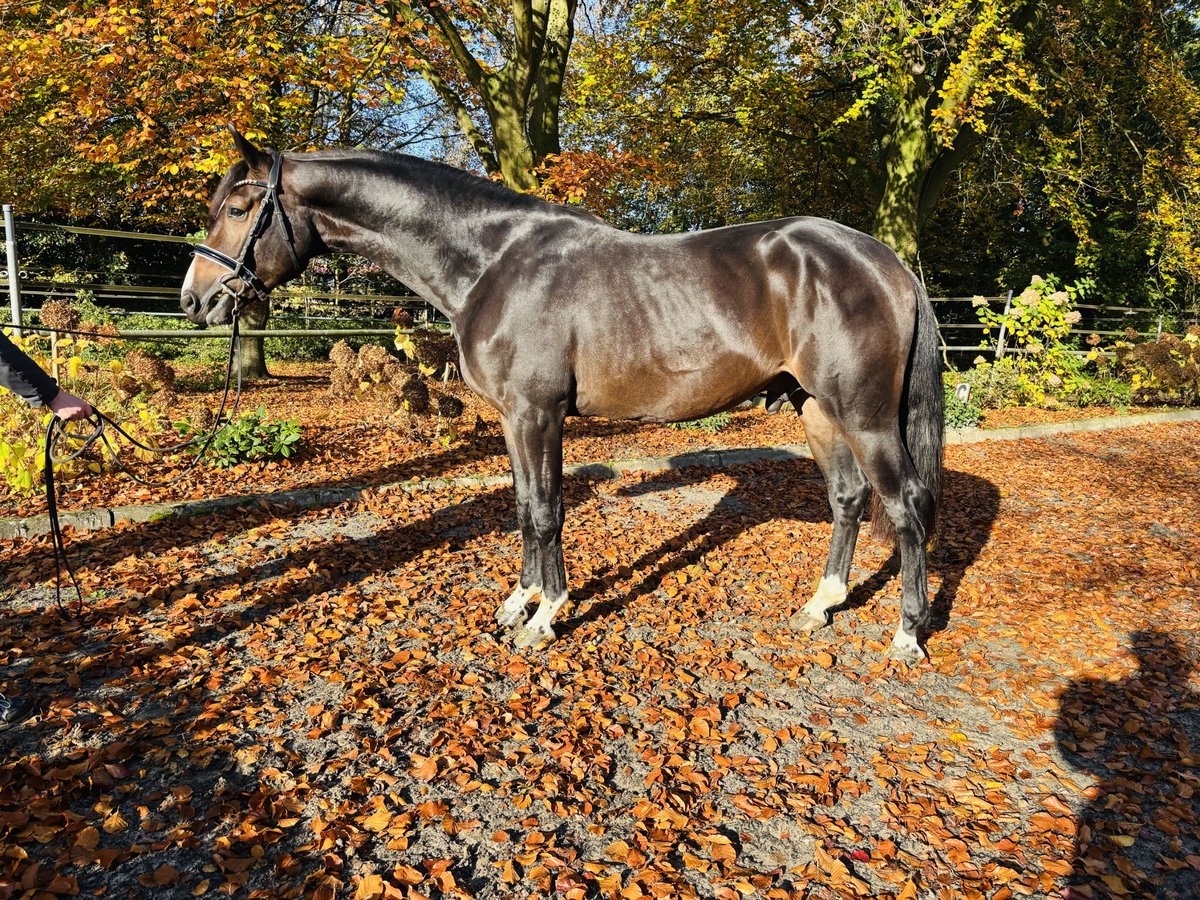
x=253 y=287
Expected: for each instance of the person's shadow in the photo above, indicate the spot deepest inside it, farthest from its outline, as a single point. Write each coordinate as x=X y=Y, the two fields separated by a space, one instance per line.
x=1140 y=737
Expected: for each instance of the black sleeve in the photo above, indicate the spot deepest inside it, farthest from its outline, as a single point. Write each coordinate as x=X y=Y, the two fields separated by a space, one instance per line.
x=23 y=376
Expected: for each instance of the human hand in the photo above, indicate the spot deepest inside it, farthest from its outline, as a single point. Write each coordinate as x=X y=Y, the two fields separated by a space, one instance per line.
x=68 y=407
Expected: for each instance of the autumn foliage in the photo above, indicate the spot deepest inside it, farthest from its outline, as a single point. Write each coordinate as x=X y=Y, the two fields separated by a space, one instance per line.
x=279 y=703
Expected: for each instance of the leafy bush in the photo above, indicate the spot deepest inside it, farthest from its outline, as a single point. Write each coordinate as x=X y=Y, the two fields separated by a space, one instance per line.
x=139 y=387
x=397 y=388
x=1043 y=366
x=711 y=424
x=1166 y=370
x=249 y=438
x=961 y=413
x=1037 y=326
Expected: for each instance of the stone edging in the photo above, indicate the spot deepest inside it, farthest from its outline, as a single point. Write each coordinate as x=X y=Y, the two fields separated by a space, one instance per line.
x=94 y=519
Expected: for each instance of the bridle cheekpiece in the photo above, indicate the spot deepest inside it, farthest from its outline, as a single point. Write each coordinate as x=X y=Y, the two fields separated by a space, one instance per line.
x=253 y=287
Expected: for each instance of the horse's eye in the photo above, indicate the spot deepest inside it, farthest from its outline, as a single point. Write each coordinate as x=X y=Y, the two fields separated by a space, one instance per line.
x=235 y=213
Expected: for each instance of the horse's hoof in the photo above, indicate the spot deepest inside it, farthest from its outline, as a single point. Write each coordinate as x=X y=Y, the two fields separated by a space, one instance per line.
x=524 y=637
x=804 y=622
x=905 y=649
x=509 y=617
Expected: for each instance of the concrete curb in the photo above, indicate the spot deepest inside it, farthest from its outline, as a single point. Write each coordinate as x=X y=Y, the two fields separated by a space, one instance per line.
x=304 y=498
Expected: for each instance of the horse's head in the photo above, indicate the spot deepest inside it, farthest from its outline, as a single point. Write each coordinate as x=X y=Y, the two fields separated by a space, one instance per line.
x=259 y=236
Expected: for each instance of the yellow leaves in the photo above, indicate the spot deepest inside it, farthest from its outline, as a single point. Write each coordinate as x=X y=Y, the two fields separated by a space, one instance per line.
x=426 y=768
x=114 y=822
x=378 y=821
x=373 y=887
x=88 y=838
x=408 y=876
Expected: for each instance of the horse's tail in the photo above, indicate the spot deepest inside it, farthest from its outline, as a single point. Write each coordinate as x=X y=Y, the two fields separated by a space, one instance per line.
x=922 y=416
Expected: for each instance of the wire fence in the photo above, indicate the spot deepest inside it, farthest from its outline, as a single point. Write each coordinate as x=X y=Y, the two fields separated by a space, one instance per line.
x=964 y=337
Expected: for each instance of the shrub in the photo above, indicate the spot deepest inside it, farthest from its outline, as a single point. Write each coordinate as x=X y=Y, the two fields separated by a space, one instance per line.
x=961 y=413
x=1043 y=367
x=1166 y=370
x=994 y=384
x=143 y=395
x=1037 y=326
x=712 y=424
x=60 y=315
x=251 y=437
x=432 y=350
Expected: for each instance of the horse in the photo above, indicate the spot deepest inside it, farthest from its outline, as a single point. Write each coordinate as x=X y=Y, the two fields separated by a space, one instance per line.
x=558 y=314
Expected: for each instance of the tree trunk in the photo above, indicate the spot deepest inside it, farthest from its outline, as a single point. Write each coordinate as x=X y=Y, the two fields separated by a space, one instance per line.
x=907 y=158
x=513 y=152
x=253 y=361
x=521 y=99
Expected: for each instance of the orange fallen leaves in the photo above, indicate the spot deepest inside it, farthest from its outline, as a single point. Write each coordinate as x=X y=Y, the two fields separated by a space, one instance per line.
x=276 y=703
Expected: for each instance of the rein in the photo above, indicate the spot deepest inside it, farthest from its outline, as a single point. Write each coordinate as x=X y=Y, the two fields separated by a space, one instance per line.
x=56 y=431
x=252 y=288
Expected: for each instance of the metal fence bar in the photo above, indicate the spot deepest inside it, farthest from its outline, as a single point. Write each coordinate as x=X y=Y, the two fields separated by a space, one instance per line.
x=104 y=232
x=1000 y=337
x=210 y=334
x=14 y=269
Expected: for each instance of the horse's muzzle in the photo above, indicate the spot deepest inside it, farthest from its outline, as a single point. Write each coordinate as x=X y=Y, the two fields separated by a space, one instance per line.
x=215 y=309
x=189 y=302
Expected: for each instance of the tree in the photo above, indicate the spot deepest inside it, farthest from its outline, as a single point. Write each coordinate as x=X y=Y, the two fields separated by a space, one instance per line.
x=874 y=111
x=117 y=112
x=498 y=70
x=901 y=91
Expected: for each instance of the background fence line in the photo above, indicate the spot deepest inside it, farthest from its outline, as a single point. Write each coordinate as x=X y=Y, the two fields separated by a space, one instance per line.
x=957 y=317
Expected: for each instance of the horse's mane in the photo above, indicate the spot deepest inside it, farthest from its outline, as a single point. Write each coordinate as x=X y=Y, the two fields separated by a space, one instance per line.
x=425 y=171
x=428 y=172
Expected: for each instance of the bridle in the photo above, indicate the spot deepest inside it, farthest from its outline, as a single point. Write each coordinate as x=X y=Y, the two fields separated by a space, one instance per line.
x=253 y=287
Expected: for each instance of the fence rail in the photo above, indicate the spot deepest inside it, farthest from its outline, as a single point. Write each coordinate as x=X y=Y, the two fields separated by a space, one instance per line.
x=960 y=329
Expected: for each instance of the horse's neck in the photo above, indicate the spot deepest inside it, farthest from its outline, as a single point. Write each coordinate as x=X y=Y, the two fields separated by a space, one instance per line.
x=429 y=239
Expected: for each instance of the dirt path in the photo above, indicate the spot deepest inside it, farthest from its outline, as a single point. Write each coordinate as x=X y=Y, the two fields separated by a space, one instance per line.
x=281 y=704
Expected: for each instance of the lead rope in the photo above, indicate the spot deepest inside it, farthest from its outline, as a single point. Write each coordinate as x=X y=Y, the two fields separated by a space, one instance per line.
x=56 y=430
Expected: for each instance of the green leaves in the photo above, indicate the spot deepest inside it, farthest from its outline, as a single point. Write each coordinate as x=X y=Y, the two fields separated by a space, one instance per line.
x=249 y=438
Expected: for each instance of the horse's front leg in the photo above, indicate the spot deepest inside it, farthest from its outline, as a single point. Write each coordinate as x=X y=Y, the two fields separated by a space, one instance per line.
x=512 y=611
x=533 y=433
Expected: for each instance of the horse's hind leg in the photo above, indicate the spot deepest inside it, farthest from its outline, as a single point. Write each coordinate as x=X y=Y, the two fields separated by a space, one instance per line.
x=849 y=492
x=909 y=505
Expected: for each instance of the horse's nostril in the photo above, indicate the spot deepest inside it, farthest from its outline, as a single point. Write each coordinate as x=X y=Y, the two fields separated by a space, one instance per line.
x=189 y=301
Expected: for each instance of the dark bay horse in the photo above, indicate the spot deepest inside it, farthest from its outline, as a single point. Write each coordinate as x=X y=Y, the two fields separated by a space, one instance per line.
x=558 y=314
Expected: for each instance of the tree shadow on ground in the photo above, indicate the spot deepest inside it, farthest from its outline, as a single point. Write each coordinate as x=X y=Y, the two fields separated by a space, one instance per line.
x=969 y=510
x=1139 y=737
x=179 y=705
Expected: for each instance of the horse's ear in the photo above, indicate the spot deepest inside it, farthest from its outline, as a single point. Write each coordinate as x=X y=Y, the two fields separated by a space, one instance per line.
x=256 y=159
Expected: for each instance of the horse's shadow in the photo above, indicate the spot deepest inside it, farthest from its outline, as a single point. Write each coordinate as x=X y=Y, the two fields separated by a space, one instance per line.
x=970 y=507
x=1140 y=739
